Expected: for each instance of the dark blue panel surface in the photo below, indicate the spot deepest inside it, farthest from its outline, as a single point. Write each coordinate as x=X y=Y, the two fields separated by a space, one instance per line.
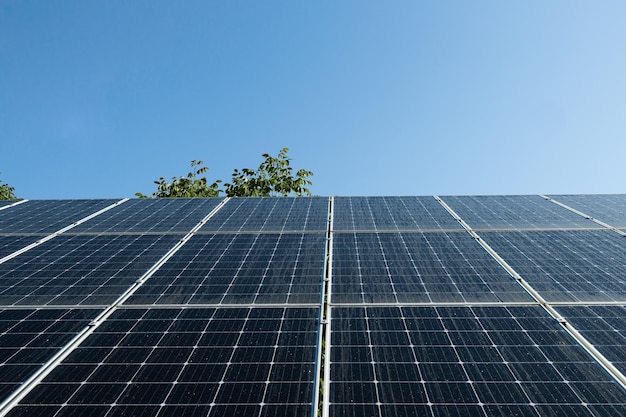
x=514 y=212
x=152 y=215
x=391 y=213
x=265 y=214
x=29 y=338
x=46 y=216
x=13 y=243
x=417 y=267
x=240 y=269
x=609 y=208
x=80 y=269
x=183 y=361
x=583 y=265
x=604 y=327
x=462 y=361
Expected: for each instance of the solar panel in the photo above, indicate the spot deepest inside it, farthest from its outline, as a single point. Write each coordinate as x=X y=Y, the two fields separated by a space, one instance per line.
x=270 y=215
x=564 y=266
x=417 y=268
x=224 y=317
x=214 y=362
x=12 y=243
x=46 y=216
x=391 y=213
x=249 y=268
x=604 y=326
x=495 y=361
x=30 y=337
x=151 y=215
x=80 y=269
x=609 y=208
x=515 y=212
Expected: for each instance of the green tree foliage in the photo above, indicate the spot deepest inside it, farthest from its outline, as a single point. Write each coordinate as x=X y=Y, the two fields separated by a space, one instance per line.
x=7 y=192
x=274 y=177
x=189 y=186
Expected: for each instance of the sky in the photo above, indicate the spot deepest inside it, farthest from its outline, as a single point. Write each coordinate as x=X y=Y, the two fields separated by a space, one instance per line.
x=98 y=99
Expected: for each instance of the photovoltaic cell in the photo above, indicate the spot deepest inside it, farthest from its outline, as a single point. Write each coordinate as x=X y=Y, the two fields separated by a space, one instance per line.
x=604 y=327
x=608 y=208
x=574 y=265
x=79 y=269
x=204 y=336
x=152 y=215
x=265 y=214
x=250 y=268
x=30 y=337
x=391 y=213
x=417 y=268
x=458 y=361
x=224 y=362
x=47 y=216
x=515 y=212
x=12 y=243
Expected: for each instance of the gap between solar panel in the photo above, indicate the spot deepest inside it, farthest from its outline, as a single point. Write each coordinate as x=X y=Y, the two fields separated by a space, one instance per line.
x=581 y=340
x=13 y=399
x=60 y=231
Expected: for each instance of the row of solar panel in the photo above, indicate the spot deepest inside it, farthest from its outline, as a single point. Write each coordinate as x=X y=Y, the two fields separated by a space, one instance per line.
x=311 y=214
x=261 y=361
x=490 y=360
x=253 y=268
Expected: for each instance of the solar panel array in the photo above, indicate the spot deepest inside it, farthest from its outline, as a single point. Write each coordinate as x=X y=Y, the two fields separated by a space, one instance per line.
x=344 y=306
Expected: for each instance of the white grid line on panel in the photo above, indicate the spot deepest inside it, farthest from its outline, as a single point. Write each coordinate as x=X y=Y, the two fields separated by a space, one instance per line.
x=12 y=204
x=60 y=231
x=600 y=358
x=45 y=369
x=586 y=216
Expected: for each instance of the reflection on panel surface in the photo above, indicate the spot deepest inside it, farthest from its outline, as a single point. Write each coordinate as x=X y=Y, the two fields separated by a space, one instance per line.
x=609 y=208
x=604 y=327
x=215 y=362
x=265 y=214
x=493 y=361
x=152 y=215
x=240 y=269
x=46 y=216
x=583 y=265
x=514 y=212
x=30 y=337
x=417 y=268
x=391 y=213
x=80 y=269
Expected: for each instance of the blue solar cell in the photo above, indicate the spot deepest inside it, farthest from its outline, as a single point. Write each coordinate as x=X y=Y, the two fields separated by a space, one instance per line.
x=417 y=267
x=46 y=216
x=265 y=214
x=609 y=208
x=517 y=366
x=80 y=270
x=575 y=265
x=603 y=326
x=13 y=243
x=391 y=213
x=152 y=215
x=240 y=269
x=30 y=337
x=514 y=212
x=256 y=369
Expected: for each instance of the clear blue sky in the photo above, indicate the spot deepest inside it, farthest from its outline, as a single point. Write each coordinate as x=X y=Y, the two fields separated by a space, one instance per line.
x=100 y=98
